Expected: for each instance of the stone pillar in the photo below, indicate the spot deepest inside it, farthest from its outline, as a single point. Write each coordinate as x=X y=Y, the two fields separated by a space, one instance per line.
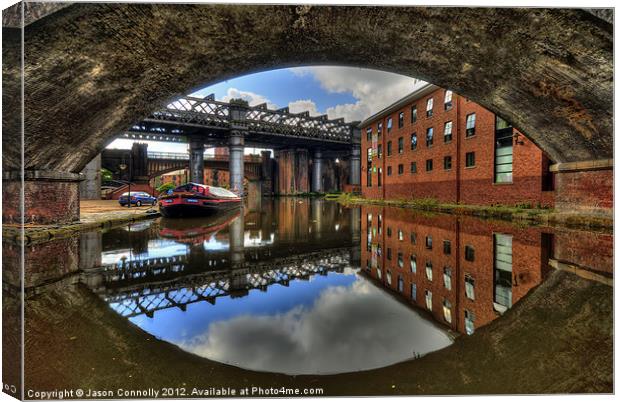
x=355 y=166
x=235 y=152
x=196 y=161
x=50 y=197
x=90 y=187
x=267 y=172
x=317 y=172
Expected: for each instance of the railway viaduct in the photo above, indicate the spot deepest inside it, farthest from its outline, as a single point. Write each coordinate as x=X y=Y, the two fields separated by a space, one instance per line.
x=92 y=70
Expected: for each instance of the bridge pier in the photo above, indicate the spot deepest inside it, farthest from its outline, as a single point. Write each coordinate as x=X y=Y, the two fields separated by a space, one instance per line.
x=317 y=172
x=196 y=160
x=235 y=152
x=50 y=197
x=90 y=188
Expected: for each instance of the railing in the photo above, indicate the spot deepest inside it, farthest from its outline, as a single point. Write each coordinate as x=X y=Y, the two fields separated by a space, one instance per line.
x=209 y=157
x=209 y=113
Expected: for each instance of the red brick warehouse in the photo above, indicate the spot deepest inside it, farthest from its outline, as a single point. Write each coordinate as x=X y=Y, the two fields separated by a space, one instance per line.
x=436 y=144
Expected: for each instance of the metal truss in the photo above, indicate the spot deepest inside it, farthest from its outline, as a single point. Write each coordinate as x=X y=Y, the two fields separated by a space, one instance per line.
x=189 y=113
x=131 y=301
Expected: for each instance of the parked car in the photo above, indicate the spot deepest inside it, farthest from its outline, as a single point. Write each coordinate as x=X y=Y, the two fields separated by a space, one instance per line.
x=137 y=198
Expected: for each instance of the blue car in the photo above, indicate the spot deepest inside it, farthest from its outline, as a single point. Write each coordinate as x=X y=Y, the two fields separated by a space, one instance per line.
x=137 y=198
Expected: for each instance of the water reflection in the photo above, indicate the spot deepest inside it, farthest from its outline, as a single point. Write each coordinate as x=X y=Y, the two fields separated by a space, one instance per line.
x=310 y=286
x=465 y=272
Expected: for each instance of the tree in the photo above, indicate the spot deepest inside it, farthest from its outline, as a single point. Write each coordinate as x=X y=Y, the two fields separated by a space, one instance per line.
x=165 y=187
x=106 y=175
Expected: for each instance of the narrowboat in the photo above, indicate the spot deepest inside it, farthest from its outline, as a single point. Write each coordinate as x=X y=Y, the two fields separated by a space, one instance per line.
x=193 y=199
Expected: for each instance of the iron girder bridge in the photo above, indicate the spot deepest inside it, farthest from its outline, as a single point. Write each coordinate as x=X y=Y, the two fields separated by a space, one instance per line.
x=124 y=290
x=213 y=120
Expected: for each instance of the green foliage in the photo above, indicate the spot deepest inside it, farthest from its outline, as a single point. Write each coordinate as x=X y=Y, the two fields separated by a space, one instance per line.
x=165 y=187
x=238 y=101
x=106 y=175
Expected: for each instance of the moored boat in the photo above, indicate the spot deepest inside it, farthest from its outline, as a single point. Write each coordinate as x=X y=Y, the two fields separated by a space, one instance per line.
x=193 y=199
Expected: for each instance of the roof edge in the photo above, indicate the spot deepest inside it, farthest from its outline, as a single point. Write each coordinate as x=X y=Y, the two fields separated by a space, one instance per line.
x=418 y=93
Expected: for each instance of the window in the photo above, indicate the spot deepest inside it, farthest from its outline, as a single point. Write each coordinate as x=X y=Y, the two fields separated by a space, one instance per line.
x=389 y=254
x=401 y=262
x=470 y=125
x=401 y=145
x=447 y=100
x=413 y=238
x=379 y=151
x=414 y=141
x=429 y=242
x=401 y=119
x=389 y=124
x=469 y=253
x=369 y=154
x=503 y=151
x=389 y=172
x=429 y=107
x=447 y=247
x=414 y=114
x=369 y=134
x=428 y=297
x=447 y=131
x=447 y=162
x=429 y=271
x=414 y=167
x=470 y=159
x=469 y=288
x=369 y=176
x=414 y=292
x=502 y=272
x=379 y=176
x=379 y=273
x=388 y=276
x=389 y=232
x=447 y=278
x=400 y=235
x=429 y=136
x=389 y=148
x=429 y=165
x=447 y=311
x=401 y=169
x=469 y=322
x=413 y=264
x=401 y=284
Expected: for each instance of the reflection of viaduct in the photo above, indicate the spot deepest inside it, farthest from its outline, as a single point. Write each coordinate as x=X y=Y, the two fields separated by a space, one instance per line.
x=136 y=288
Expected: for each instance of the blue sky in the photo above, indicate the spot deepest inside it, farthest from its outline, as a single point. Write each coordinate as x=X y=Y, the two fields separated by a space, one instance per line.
x=347 y=92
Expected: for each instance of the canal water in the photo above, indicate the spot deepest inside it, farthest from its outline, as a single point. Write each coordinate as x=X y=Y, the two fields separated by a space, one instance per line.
x=308 y=286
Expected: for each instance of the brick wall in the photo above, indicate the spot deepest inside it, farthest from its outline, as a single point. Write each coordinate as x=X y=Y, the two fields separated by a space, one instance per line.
x=591 y=190
x=528 y=268
x=457 y=183
x=45 y=202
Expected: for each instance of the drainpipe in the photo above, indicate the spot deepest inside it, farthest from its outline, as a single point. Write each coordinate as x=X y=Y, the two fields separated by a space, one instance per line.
x=458 y=148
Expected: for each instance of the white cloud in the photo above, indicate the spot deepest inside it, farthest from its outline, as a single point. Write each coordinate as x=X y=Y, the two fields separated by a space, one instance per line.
x=303 y=105
x=348 y=328
x=252 y=98
x=374 y=90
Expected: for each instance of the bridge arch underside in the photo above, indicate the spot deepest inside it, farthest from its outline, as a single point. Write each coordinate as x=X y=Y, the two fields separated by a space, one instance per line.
x=93 y=70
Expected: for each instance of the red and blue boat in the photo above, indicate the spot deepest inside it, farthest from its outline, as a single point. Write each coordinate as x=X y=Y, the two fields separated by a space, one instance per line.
x=193 y=199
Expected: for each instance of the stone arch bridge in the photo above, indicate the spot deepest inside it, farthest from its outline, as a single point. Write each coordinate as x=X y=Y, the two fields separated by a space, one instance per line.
x=93 y=70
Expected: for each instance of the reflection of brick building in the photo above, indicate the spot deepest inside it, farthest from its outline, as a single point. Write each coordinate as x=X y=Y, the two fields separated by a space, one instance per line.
x=464 y=271
x=435 y=144
x=212 y=177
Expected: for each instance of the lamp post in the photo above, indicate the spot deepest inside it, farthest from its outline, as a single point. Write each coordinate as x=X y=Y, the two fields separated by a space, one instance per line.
x=122 y=167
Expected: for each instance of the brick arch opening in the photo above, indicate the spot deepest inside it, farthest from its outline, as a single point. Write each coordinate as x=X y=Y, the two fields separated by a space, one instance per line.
x=93 y=69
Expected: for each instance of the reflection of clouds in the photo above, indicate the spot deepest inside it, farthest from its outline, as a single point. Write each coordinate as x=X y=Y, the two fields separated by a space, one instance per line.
x=158 y=248
x=347 y=329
